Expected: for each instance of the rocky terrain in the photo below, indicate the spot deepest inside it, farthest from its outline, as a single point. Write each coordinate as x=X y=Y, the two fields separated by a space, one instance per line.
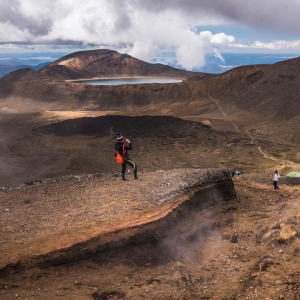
x=88 y=213
x=72 y=230
x=224 y=246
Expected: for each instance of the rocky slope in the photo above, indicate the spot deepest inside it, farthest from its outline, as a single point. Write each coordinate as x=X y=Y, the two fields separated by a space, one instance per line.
x=268 y=91
x=107 y=63
x=245 y=247
x=74 y=216
x=71 y=232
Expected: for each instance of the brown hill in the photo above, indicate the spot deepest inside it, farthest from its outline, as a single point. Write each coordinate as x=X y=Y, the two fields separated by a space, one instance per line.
x=243 y=248
x=269 y=91
x=107 y=63
x=48 y=88
x=252 y=113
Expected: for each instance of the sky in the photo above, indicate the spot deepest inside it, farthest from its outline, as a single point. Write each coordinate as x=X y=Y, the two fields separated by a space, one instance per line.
x=150 y=29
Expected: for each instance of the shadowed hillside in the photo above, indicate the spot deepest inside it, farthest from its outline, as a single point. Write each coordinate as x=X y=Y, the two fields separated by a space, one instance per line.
x=252 y=112
x=86 y=145
x=269 y=91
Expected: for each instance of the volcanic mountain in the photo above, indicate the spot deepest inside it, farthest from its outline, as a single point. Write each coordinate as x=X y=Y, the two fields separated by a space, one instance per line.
x=247 y=117
x=73 y=229
x=270 y=91
x=107 y=63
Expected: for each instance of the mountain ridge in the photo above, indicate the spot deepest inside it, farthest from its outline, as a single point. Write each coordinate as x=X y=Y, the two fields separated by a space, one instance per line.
x=249 y=110
x=60 y=185
x=104 y=62
x=255 y=88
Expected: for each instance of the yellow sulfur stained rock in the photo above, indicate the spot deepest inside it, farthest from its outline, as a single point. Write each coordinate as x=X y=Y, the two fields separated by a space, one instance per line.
x=286 y=233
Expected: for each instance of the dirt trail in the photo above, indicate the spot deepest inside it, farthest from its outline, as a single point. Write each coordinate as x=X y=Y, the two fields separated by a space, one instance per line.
x=281 y=162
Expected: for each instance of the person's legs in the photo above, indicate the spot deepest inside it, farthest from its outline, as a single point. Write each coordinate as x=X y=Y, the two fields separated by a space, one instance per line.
x=123 y=170
x=134 y=167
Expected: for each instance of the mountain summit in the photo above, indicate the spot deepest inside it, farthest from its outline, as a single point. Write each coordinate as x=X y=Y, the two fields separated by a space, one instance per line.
x=268 y=91
x=107 y=63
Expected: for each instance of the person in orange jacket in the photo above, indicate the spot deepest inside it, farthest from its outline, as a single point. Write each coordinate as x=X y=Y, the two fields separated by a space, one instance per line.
x=123 y=151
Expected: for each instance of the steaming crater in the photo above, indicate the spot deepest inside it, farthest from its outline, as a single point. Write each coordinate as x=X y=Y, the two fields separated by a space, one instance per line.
x=188 y=195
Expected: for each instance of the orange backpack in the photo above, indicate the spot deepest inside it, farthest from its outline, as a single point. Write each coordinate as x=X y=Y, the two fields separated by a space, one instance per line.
x=119 y=157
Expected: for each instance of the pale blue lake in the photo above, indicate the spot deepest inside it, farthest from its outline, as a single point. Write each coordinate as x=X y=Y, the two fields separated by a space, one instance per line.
x=120 y=81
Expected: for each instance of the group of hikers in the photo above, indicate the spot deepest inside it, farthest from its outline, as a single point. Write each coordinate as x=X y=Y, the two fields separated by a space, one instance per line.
x=236 y=174
x=123 y=145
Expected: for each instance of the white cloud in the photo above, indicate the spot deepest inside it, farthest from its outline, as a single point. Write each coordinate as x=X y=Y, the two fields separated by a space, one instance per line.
x=143 y=28
x=166 y=33
x=217 y=40
x=222 y=39
x=9 y=32
x=277 y=45
x=218 y=55
x=189 y=56
x=143 y=50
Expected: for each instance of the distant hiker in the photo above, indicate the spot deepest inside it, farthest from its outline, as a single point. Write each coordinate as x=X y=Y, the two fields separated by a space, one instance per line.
x=232 y=174
x=122 y=149
x=234 y=237
x=237 y=174
x=275 y=180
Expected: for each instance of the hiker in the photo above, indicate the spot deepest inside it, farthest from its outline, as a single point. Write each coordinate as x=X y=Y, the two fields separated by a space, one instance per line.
x=123 y=151
x=237 y=174
x=275 y=180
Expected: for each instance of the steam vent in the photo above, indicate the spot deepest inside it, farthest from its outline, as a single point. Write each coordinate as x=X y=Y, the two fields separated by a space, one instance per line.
x=100 y=214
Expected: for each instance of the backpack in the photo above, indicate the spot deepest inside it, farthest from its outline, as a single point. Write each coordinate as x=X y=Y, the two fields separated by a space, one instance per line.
x=119 y=157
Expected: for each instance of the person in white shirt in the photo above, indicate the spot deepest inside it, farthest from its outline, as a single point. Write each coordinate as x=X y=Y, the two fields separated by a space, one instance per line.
x=275 y=180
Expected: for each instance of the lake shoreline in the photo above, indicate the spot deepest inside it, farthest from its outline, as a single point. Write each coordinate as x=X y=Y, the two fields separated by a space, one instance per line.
x=120 y=80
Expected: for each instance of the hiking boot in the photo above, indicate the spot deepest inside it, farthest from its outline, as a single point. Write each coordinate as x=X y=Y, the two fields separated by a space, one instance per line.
x=136 y=178
x=123 y=179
